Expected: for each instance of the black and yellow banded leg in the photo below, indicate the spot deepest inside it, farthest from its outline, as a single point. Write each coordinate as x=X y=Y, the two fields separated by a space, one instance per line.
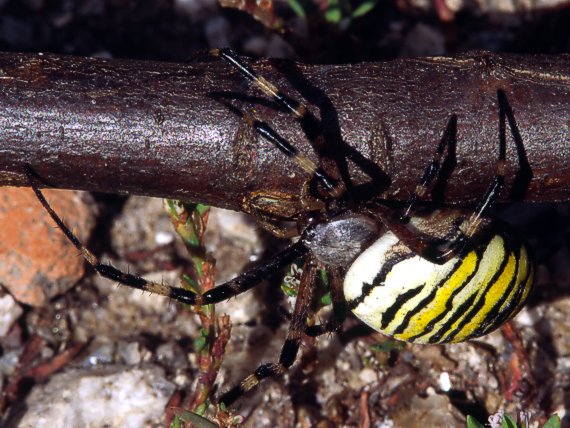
x=310 y=124
x=292 y=343
x=448 y=138
x=438 y=252
x=307 y=165
x=222 y=292
x=496 y=186
x=293 y=106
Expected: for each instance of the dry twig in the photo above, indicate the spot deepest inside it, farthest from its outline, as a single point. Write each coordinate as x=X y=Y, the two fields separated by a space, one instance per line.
x=160 y=129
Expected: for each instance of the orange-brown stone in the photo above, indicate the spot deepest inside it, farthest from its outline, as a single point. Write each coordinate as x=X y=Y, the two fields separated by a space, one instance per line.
x=37 y=262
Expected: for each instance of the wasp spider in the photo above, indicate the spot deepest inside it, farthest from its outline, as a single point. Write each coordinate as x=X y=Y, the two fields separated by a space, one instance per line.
x=424 y=276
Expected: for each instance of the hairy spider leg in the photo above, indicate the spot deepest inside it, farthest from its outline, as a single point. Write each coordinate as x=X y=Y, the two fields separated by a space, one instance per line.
x=505 y=113
x=432 y=169
x=270 y=135
x=496 y=186
x=219 y=293
x=299 y=111
x=434 y=250
x=292 y=343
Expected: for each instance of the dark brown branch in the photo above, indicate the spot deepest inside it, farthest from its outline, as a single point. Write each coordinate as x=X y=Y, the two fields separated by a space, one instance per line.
x=156 y=128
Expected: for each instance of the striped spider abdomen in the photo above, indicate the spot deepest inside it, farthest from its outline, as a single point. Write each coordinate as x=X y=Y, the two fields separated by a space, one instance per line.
x=399 y=293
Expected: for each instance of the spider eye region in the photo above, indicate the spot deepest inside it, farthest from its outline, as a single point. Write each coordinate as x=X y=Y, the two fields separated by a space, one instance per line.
x=397 y=292
x=339 y=241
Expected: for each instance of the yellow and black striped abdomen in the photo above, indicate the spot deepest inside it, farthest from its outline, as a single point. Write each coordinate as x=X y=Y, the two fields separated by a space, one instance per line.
x=398 y=293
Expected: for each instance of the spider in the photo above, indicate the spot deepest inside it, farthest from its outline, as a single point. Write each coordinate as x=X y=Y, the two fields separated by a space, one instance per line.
x=419 y=275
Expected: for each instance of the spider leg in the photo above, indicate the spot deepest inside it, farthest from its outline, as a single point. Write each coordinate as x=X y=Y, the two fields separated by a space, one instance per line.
x=449 y=135
x=299 y=111
x=496 y=186
x=524 y=174
x=288 y=150
x=398 y=222
x=270 y=135
x=340 y=307
x=292 y=342
x=441 y=252
x=236 y=286
x=268 y=88
x=432 y=169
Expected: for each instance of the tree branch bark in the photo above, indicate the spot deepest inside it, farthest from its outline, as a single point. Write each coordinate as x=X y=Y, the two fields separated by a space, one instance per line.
x=155 y=129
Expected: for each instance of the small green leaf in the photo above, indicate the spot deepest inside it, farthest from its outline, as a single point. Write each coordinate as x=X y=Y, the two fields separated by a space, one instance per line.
x=289 y=291
x=297 y=8
x=196 y=420
x=326 y=299
x=508 y=421
x=201 y=409
x=201 y=209
x=190 y=283
x=198 y=262
x=175 y=422
x=324 y=276
x=473 y=423
x=389 y=345
x=201 y=341
x=189 y=236
x=333 y=15
x=171 y=205
x=553 y=422
x=364 y=8
x=200 y=344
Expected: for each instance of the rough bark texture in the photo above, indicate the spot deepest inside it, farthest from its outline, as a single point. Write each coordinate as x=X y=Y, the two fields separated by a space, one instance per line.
x=155 y=129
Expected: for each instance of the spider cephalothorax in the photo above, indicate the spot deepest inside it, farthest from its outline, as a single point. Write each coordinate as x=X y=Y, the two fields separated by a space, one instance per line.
x=425 y=276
